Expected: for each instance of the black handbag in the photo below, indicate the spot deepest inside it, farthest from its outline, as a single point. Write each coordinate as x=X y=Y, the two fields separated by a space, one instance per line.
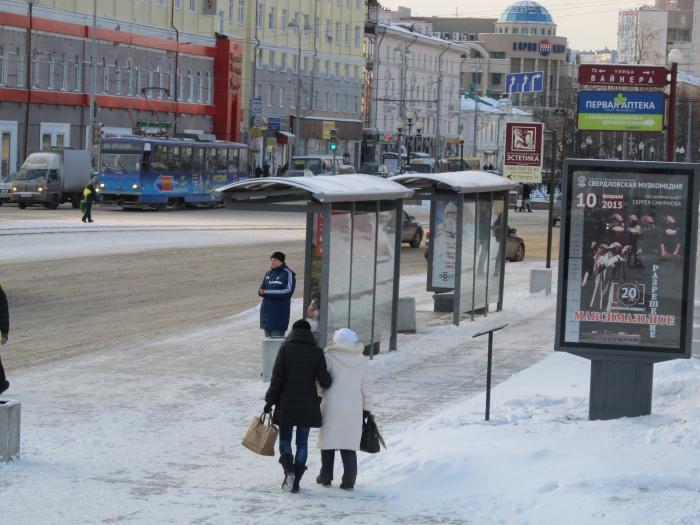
x=371 y=438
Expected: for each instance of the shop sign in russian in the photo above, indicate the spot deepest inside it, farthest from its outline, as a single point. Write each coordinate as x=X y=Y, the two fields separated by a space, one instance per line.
x=622 y=75
x=621 y=111
x=523 y=152
x=627 y=259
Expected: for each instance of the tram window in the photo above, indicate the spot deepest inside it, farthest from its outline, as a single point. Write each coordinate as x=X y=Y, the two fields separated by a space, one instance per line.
x=174 y=158
x=159 y=159
x=233 y=160
x=221 y=159
x=210 y=160
x=197 y=160
x=185 y=159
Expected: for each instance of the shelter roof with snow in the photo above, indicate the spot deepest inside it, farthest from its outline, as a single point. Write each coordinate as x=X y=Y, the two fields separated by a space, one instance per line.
x=458 y=182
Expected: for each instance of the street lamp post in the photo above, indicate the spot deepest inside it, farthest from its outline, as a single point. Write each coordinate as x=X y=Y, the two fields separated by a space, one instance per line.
x=410 y=115
x=293 y=24
x=399 y=129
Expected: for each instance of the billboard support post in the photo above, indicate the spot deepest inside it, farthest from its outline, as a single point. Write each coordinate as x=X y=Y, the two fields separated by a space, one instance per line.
x=620 y=388
x=552 y=187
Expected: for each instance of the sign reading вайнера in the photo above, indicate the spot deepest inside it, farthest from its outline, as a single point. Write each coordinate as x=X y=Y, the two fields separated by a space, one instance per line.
x=620 y=111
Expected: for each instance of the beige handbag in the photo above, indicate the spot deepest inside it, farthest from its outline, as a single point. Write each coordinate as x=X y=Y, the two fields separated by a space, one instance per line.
x=261 y=437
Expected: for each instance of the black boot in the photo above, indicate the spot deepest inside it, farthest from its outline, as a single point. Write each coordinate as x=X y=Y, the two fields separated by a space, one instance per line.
x=298 y=473
x=287 y=462
x=4 y=386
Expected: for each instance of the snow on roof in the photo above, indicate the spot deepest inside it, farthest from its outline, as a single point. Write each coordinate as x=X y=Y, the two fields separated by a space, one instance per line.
x=688 y=78
x=467 y=104
x=323 y=188
x=455 y=46
x=457 y=181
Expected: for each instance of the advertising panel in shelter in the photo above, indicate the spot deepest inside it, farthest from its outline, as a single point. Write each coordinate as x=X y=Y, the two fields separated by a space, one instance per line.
x=626 y=260
x=444 y=244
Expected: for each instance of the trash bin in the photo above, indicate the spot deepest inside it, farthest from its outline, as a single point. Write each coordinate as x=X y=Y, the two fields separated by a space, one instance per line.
x=270 y=347
x=443 y=302
x=10 y=411
x=407 y=315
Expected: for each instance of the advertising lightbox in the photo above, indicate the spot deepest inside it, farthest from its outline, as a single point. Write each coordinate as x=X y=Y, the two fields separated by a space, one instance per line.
x=621 y=111
x=627 y=259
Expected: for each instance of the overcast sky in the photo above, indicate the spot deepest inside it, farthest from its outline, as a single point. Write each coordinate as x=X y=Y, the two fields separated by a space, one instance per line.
x=588 y=24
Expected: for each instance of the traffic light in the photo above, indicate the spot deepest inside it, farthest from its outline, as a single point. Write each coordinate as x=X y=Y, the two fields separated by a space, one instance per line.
x=333 y=144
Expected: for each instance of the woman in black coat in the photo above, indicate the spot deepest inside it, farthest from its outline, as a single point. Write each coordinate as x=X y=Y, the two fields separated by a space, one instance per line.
x=299 y=364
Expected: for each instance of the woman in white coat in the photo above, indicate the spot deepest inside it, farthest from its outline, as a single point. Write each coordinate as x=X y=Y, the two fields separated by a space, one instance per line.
x=343 y=407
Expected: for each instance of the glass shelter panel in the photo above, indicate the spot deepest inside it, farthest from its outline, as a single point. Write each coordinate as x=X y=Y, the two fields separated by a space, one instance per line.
x=468 y=236
x=496 y=249
x=384 y=293
x=444 y=243
x=362 y=295
x=339 y=276
x=483 y=238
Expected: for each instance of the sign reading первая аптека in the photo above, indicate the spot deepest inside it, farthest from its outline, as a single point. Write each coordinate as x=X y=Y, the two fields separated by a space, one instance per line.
x=620 y=111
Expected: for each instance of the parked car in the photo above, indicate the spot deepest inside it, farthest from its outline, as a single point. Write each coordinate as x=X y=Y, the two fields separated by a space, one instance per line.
x=515 y=246
x=411 y=231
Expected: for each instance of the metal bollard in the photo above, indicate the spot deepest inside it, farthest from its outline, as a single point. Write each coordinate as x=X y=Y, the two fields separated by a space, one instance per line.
x=10 y=412
x=270 y=347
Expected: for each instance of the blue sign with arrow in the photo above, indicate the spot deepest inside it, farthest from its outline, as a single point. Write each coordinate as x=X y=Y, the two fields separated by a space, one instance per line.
x=527 y=82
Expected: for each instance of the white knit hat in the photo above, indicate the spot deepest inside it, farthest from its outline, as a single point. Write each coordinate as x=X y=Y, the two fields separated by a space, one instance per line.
x=345 y=337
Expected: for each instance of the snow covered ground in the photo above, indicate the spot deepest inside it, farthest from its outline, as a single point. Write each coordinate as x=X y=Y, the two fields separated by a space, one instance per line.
x=150 y=434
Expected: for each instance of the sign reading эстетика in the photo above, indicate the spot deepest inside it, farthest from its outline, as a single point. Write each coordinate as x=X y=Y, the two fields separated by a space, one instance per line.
x=522 y=161
x=620 y=111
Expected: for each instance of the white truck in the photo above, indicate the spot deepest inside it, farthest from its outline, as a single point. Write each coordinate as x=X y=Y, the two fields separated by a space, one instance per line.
x=50 y=178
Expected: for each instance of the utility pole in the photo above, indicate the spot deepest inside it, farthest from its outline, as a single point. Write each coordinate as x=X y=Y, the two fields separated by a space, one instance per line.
x=476 y=119
x=255 y=69
x=297 y=118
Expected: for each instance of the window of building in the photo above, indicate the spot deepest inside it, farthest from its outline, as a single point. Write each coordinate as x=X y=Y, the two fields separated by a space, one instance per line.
x=295 y=65
x=337 y=32
x=241 y=12
x=293 y=98
x=306 y=66
x=496 y=79
x=357 y=104
x=64 y=73
x=515 y=31
x=329 y=30
x=317 y=27
x=178 y=4
x=328 y=101
x=328 y=69
x=271 y=19
x=271 y=59
x=259 y=14
x=337 y=102
x=230 y=10
x=281 y=93
x=190 y=78
x=35 y=70
x=346 y=106
x=258 y=58
x=347 y=35
x=358 y=4
x=283 y=21
x=270 y=95
x=52 y=71
x=357 y=36
x=347 y=71
x=258 y=89
x=357 y=73
x=210 y=91
x=337 y=71
x=533 y=31
x=315 y=102
x=283 y=62
x=193 y=6
x=317 y=68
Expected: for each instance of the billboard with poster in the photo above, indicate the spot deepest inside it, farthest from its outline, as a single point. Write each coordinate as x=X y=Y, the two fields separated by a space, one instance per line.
x=444 y=243
x=627 y=259
x=522 y=161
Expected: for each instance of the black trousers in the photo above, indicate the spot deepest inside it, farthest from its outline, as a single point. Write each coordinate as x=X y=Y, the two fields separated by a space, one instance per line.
x=87 y=216
x=349 y=458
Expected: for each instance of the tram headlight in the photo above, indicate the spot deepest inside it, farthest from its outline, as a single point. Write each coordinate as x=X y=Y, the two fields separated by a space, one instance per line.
x=102 y=185
x=134 y=186
x=14 y=189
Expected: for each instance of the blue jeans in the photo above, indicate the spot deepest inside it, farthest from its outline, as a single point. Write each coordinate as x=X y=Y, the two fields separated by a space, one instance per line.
x=302 y=442
x=274 y=333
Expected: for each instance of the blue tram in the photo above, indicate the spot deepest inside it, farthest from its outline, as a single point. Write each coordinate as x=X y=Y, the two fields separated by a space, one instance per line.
x=148 y=172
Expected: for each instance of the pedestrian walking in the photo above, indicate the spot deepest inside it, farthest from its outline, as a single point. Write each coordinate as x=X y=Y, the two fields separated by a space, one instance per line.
x=266 y=170
x=4 y=334
x=299 y=365
x=89 y=195
x=345 y=405
x=258 y=172
x=527 y=191
x=276 y=290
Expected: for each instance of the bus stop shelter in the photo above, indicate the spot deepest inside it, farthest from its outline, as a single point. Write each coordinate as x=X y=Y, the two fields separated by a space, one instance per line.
x=468 y=224
x=353 y=246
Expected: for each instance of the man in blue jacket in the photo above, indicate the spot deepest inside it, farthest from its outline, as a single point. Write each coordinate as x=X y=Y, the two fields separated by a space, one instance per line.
x=276 y=290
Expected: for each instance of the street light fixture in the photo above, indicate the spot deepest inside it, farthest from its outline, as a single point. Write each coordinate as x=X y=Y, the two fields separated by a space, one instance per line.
x=410 y=116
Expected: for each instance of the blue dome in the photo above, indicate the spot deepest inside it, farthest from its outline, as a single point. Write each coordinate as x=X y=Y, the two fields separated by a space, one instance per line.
x=526 y=11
